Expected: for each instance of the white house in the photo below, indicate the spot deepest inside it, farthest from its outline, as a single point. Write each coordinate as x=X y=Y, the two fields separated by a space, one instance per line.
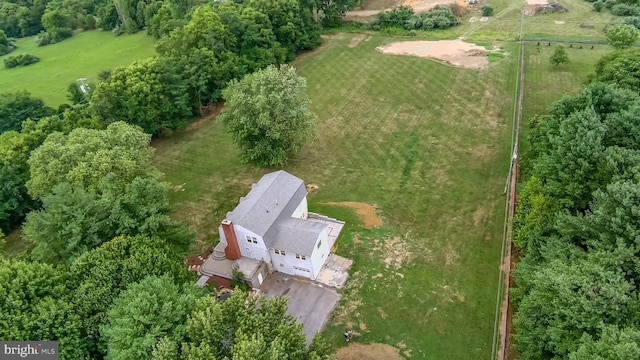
x=272 y=225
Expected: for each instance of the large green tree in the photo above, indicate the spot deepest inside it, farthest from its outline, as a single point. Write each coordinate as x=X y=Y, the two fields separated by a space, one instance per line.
x=34 y=305
x=85 y=156
x=613 y=344
x=621 y=68
x=19 y=106
x=244 y=327
x=100 y=275
x=268 y=114
x=73 y=221
x=293 y=23
x=14 y=199
x=145 y=313
x=146 y=94
x=332 y=11
x=568 y=299
x=621 y=36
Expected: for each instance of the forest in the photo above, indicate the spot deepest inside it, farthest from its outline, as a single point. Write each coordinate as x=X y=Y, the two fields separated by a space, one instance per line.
x=576 y=224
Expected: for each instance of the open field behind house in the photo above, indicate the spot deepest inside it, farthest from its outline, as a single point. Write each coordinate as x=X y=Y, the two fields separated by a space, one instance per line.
x=428 y=145
x=81 y=56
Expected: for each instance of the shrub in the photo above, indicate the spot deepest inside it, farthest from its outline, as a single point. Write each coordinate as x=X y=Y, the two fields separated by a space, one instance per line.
x=632 y=20
x=625 y=10
x=53 y=36
x=487 y=10
x=20 y=60
x=598 y=6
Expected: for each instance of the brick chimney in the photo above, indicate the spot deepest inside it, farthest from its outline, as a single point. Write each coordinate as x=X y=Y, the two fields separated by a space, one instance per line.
x=232 y=251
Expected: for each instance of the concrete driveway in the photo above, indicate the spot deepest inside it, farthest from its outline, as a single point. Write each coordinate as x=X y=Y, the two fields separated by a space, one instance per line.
x=310 y=304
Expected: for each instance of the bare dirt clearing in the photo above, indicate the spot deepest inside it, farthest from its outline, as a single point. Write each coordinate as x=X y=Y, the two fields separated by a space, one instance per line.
x=454 y=52
x=366 y=213
x=368 y=352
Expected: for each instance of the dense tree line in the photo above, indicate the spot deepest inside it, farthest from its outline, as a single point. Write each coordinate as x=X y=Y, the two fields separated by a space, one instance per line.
x=55 y=20
x=577 y=225
x=132 y=299
x=221 y=42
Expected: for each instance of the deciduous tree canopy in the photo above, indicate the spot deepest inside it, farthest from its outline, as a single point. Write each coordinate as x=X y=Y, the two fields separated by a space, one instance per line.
x=85 y=156
x=18 y=107
x=268 y=114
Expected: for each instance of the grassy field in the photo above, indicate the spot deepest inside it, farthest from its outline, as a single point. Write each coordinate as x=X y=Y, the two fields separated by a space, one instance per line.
x=545 y=83
x=83 y=55
x=428 y=145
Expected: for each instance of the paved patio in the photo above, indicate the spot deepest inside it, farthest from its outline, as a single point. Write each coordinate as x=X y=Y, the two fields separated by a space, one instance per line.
x=309 y=303
x=335 y=271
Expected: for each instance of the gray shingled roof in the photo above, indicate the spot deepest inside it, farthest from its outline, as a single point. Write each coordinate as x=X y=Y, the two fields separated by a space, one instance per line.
x=275 y=196
x=296 y=235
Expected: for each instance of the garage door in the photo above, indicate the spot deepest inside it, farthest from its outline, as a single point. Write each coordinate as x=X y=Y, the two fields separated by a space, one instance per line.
x=301 y=271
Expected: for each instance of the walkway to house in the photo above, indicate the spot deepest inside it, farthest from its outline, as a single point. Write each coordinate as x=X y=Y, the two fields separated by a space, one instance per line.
x=309 y=303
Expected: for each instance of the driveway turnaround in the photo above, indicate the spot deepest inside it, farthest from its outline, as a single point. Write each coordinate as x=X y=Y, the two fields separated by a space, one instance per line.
x=309 y=303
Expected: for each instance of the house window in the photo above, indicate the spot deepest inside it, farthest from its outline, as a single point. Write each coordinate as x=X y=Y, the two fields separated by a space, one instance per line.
x=319 y=243
x=301 y=257
x=279 y=252
x=251 y=239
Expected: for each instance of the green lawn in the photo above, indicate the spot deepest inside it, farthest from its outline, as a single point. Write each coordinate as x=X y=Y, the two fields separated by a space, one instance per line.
x=545 y=83
x=82 y=56
x=428 y=145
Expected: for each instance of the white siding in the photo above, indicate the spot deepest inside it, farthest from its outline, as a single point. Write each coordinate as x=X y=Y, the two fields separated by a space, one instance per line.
x=320 y=254
x=249 y=249
x=301 y=211
x=281 y=263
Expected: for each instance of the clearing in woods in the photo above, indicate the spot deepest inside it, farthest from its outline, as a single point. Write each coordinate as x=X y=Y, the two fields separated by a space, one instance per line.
x=428 y=144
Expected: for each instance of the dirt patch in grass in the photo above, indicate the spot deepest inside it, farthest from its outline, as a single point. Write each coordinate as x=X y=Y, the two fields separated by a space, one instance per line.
x=368 y=352
x=454 y=52
x=537 y=2
x=356 y=40
x=395 y=252
x=366 y=213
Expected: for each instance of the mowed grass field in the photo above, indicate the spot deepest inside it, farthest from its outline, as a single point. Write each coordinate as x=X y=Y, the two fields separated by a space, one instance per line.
x=429 y=146
x=81 y=56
